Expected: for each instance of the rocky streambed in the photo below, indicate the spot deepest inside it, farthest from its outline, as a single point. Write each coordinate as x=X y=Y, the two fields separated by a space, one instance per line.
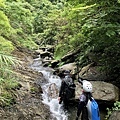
x=28 y=96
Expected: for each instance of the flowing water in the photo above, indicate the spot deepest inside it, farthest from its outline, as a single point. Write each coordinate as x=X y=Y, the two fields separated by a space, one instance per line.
x=56 y=109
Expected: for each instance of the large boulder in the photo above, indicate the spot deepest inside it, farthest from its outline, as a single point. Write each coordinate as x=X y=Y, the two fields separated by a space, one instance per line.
x=70 y=66
x=92 y=72
x=115 y=115
x=101 y=91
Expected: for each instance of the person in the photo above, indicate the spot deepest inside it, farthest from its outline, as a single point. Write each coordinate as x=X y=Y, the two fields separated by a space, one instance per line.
x=86 y=94
x=67 y=89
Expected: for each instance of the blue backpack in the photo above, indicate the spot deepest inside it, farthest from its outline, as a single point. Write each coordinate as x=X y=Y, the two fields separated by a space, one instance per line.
x=93 y=109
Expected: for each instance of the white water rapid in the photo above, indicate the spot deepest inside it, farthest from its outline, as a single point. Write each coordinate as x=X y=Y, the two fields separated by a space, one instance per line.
x=56 y=109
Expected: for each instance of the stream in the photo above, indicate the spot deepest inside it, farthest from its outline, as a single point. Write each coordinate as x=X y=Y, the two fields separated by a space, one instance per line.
x=50 y=89
x=50 y=93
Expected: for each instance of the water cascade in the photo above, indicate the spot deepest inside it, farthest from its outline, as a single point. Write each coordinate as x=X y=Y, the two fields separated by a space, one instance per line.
x=50 y=93
x=50 y=90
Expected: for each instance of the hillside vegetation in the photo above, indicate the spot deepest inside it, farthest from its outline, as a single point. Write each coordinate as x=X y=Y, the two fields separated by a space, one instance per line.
x=93 y=26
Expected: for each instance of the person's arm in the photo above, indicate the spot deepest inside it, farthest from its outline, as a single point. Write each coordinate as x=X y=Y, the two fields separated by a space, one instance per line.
x=61 y=88
x=61 y=92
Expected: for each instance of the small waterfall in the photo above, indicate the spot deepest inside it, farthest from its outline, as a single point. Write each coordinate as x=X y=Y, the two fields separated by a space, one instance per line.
x=56 y=109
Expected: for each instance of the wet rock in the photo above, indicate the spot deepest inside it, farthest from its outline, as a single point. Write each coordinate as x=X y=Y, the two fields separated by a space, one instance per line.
x=101 y=91
x=91 y=72
x=115 y=115
x=26 y=111
x=53 y=91
x=70 y=66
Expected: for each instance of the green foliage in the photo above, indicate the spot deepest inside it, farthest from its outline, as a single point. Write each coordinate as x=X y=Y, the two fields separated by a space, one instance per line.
x=94 y=28
x=11 y=84
x=6 y=99
x=28 y=43
x=6 y=86
x=2 y=3
x=6 y=46
x=16 y=28
x=102 y=34
x=33 y=89
x=4 y=24
x=76 y=40
x=7 y=81
x=45 y=22
x=61 y=50
x=20 y=15
x=114 y=108
x=89 y=25
x=7 y=60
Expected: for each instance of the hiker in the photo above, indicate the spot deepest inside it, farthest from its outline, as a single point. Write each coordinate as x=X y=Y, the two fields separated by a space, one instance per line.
x=86 y=94
x=67 y=89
